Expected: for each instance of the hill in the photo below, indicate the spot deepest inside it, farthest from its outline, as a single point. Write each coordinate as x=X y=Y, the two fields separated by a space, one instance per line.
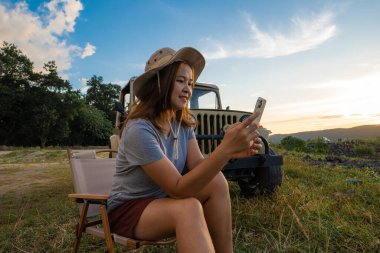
x=360 y=132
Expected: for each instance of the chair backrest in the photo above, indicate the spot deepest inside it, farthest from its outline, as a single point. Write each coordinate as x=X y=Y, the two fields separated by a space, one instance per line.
x=114 y=142
x=91 y=174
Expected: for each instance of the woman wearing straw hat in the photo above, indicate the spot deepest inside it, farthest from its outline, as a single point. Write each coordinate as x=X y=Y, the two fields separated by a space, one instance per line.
x=152 y=198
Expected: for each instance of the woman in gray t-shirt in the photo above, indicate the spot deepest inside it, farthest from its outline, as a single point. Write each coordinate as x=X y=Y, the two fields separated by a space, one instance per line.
x=152 y=198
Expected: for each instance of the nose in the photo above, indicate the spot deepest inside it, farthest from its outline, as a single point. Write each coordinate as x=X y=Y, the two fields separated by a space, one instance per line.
x=188 y=90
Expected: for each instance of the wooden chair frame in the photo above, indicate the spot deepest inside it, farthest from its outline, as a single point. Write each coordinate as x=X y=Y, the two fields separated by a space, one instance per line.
x=87 y=223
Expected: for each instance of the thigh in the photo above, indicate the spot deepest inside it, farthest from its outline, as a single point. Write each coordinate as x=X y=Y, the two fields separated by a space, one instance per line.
x=160 y=217
x=155 y=222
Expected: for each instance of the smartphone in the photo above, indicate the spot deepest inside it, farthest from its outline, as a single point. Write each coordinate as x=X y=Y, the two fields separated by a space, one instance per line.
x=260 y=105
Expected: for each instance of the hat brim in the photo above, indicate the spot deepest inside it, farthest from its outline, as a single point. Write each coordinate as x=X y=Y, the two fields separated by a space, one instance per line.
x=187 y=54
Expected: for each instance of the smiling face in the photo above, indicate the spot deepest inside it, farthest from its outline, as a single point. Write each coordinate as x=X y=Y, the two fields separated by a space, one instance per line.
x=182 y=88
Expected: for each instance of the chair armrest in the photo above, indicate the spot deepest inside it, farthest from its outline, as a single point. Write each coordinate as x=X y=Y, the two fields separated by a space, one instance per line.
x=88 y=196
x=105 y=150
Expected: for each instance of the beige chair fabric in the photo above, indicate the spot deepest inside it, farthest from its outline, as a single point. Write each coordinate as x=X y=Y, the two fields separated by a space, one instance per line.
x=92 y=178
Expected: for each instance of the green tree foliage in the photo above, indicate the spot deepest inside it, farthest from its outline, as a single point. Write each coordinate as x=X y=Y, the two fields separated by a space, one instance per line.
x=41 y=108
x=55 y=107
x=103 y=96
x=293 y=143
x=15 y=67
x=318 y=146
x=90 y=127
x=16 y=78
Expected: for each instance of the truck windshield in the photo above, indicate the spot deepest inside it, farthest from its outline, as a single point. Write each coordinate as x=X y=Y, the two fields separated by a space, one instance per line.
x=204 y=99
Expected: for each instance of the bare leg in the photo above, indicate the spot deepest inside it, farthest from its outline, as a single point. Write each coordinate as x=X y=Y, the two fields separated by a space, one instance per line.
x=216 y=202
x=181 y=217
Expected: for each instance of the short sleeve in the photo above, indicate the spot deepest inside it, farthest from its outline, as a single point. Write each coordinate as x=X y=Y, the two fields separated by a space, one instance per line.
x=191 y=134
x=142 y=144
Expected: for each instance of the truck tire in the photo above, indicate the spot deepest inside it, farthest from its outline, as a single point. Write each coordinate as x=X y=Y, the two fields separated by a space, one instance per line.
x=263 y=180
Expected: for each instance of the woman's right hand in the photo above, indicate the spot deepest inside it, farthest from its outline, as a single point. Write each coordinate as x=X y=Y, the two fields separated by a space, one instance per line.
x=241 y=137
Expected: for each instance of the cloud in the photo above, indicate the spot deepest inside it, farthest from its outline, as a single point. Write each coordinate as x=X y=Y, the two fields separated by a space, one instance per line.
x=83 y=81
x=84 y=89
x=294 y=119
x=40 y=35
x=331 y=117
x=305 y=34
x=122 y=83
x=88 y=50
x=62 y=15
x=374 y=65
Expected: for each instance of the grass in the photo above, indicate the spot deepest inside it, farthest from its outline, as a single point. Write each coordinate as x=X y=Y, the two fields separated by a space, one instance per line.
x=317 y=209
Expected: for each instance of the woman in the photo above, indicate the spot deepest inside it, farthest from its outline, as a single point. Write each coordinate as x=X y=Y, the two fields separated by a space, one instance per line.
x=152 y=198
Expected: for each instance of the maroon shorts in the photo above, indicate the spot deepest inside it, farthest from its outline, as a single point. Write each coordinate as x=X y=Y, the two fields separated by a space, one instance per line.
x=124 y=218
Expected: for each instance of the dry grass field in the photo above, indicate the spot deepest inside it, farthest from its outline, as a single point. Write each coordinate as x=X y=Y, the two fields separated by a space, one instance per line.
x=316 y=209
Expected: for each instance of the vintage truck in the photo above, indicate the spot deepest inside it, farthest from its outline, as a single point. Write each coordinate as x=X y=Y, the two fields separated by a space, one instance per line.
x=258 y=174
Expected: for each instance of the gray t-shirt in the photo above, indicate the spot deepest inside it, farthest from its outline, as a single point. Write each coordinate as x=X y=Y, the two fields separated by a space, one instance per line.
x=142 y=143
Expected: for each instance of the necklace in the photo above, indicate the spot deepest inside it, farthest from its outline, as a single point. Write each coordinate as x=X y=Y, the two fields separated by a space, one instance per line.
x=175 y=137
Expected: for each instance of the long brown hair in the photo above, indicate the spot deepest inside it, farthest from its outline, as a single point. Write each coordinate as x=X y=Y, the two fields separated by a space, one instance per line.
x=154 y=102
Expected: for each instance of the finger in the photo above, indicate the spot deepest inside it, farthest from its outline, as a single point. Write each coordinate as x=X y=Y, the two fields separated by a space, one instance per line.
x=248 y=121
x=254 y=151
x=233 y=125
x=254 y=135
x=257 y=139
x=257 y=146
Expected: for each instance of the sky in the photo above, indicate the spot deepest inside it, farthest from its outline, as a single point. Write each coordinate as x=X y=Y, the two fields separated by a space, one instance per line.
x=316 y=62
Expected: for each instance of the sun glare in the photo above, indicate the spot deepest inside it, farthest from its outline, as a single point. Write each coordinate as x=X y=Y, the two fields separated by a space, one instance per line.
x=342 y=104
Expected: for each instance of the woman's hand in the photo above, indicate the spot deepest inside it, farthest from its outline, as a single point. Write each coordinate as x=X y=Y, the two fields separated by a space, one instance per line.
x=241 y=139
x=252 y=150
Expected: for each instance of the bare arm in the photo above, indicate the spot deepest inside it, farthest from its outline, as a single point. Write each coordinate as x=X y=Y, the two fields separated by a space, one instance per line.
x=238 y=138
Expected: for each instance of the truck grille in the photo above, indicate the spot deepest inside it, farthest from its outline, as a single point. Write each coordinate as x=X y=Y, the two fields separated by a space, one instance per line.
x=209 y=131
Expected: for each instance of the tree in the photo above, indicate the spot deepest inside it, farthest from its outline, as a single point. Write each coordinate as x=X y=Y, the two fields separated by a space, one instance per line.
x=42 y=109
x=90 y=127
x=51 y=80
x=293 y=143
x=318 y=146
x=55 y=107
x=103 y=96
x=16 y=78
x=15 y=67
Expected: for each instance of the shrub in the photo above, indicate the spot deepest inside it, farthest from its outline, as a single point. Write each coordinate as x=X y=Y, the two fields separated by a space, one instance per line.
x=293 y=143
x=364 y=150
x=318 y=146
x=376 y=141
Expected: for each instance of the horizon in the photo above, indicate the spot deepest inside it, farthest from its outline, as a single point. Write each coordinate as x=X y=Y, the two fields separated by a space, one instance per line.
x=316 y=62
x=328 y=129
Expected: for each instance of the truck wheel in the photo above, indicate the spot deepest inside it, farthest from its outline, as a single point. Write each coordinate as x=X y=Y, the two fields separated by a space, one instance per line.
x=263 y=180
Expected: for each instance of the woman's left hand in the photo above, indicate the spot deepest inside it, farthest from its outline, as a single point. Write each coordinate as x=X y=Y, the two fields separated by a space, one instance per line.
x=253 y=149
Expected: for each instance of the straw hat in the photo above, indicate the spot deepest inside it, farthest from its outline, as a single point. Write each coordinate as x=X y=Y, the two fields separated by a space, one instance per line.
x=165 y=56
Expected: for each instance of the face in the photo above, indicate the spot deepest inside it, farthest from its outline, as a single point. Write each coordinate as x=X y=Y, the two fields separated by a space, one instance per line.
x=183 y=87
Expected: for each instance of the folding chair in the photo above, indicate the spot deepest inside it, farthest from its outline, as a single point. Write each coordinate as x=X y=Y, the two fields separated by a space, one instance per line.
x=92 y=178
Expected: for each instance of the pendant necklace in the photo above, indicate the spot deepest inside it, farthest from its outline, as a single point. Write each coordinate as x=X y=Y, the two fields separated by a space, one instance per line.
x=175 y=137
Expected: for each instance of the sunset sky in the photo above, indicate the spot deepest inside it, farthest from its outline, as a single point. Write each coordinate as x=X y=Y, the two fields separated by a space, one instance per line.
x=316 y=62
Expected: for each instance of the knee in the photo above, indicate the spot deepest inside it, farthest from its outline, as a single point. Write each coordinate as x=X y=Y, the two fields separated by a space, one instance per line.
x=221 y=184
x=189 y=206
x=192 y=204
